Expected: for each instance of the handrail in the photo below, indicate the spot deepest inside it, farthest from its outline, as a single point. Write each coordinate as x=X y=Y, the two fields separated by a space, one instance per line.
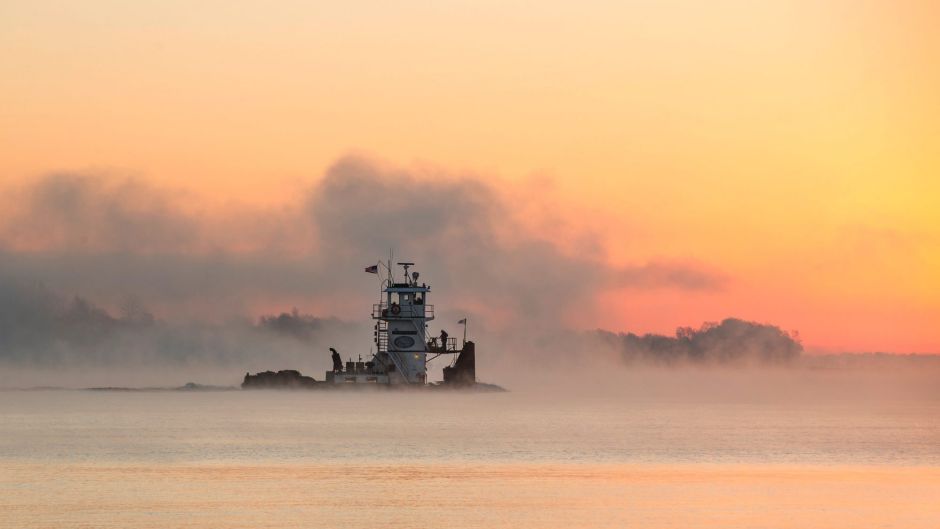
x=434 y=345
x=394 y=356
x=384 y=310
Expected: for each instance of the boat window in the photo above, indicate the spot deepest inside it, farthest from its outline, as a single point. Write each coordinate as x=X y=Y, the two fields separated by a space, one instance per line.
x=393 y=297
x=405 y=298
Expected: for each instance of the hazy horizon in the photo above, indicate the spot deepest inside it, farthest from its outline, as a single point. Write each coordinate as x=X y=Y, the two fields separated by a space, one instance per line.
x=660 y=165
x=697 y=243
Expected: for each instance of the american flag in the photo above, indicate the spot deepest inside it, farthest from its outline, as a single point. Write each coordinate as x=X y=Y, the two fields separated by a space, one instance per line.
x=374 y=269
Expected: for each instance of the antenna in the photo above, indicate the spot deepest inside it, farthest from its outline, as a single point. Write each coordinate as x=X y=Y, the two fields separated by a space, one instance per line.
x=405 y=266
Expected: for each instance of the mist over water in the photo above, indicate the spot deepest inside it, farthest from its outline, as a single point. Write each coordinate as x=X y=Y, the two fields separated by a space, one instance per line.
x=110 y=283
x=598 y=430
x=107 y=280
x=100 y=271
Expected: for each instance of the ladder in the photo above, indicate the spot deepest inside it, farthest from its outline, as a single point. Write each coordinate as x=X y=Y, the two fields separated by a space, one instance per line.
x=381 y=341
x=381 y=336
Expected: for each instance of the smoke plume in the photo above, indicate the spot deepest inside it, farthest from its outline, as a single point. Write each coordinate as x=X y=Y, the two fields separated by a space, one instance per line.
x=110 y=271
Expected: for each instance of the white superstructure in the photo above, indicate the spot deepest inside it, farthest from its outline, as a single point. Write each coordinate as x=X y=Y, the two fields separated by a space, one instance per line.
x=400 y=335
x=401 y=327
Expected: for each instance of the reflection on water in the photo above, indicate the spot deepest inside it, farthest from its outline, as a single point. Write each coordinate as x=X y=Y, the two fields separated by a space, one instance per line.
x=241 y=459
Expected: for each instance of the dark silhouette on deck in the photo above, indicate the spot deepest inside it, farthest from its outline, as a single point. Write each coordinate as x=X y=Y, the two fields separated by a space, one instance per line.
x=463 y=372
x=337 y=361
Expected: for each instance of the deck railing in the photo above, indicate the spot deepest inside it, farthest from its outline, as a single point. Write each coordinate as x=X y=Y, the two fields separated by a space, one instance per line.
x=434 y=345
x=384 y=310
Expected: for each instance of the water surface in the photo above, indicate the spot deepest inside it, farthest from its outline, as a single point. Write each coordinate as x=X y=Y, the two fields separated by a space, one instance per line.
x=520 y=459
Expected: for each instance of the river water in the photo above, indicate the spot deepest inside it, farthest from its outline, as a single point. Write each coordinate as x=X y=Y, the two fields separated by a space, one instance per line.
x=529 y=459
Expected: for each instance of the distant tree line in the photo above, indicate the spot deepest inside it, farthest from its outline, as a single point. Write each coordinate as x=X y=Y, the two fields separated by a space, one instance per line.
x=293 y=323
x=731 y=341
x=39 y=326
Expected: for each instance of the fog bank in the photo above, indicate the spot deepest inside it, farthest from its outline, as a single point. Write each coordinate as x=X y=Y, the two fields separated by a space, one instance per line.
x=107 y=276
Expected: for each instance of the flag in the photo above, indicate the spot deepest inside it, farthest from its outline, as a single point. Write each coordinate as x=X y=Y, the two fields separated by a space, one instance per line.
x=462 y=321
x=374 y=269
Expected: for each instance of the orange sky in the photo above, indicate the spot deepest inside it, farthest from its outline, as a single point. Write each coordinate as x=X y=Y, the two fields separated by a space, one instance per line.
x=792 y=146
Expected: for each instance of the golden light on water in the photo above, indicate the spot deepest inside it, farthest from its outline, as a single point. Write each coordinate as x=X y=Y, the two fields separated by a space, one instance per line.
x=485 y=495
